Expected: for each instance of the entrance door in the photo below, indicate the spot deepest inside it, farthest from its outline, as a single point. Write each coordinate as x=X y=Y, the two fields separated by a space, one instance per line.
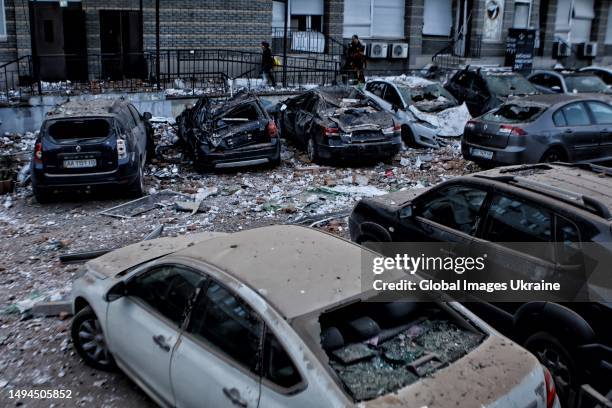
x=58 y=41
x=463 y=17
x=121 y=44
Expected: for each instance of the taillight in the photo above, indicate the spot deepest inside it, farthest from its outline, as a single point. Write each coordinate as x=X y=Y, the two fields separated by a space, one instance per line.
x=470 y=125
x=271 y=129
x=121 y=149
x=329 y=132
x=551 y=391
x=512 y=130
x=38 y=154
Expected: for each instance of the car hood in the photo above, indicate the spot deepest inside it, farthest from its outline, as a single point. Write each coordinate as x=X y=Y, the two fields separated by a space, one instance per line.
x=498 y=373
x=394 y=201
x=352 y=120
x=449 y=122
x=117 y=261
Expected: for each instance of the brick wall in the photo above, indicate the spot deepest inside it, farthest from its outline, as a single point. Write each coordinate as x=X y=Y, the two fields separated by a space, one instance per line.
x=8 y=46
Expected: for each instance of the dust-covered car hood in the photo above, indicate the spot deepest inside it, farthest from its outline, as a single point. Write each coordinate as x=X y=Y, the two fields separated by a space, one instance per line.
x=117 y=261
x=448 y=122
x=351 y=120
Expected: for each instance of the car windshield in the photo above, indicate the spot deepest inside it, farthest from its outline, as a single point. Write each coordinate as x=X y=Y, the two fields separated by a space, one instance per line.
x=509 y=84
x=585 y=83
x=514 y=113
x=429 y=98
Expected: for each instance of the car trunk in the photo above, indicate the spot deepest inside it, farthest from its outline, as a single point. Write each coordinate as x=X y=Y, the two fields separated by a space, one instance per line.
x=241 y=126
x=378 y=348
x=487 y=134
x=79 y=145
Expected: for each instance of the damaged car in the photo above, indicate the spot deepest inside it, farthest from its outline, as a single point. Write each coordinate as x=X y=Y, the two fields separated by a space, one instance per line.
x=84 y=146
x=224 y=320
x=568 y=82
x=230 y=133
x=485 y=89
x=340 y=123
x=428 y=113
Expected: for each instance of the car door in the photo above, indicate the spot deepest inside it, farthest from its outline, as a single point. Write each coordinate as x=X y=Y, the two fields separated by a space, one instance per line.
x=217 y=361
x=144 y=326
x=601 y=114
x=449 y=215
x=282 y=383
x=577 y=131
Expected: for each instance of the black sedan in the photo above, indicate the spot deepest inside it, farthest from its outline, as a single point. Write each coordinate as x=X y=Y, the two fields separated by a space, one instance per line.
x=228 y=134
x=340 y=123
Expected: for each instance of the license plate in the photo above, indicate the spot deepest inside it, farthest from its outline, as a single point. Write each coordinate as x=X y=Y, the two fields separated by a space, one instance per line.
x=485 y=154
x=78 y=164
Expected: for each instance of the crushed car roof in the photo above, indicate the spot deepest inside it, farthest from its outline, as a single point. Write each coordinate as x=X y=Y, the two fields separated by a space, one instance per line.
x=297 y=269
x=578 y=180
x=552 y=99
x=406 y=80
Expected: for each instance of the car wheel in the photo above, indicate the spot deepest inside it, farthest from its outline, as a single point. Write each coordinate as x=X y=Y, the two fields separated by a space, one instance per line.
x=41 y=198
x=313 y=150
x=554 y=154
x=89 y=341
x=137 y=188
x=554 y=356
x=408 y=136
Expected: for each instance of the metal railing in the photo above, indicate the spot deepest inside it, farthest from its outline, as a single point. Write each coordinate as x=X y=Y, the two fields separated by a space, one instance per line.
x=209 y=71
x=451 y=56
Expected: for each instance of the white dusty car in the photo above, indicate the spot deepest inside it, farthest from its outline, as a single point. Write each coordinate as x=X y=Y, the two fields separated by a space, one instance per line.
x=278 y=317
x=428 y=112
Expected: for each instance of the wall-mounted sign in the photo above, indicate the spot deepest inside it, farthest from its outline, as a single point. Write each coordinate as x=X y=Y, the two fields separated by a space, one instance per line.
x=493 y=20
x=520 y=44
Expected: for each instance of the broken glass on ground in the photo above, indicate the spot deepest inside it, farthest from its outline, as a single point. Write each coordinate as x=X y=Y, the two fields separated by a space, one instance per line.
x=144 y=204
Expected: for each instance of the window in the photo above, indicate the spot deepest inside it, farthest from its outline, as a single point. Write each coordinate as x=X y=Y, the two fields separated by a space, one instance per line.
x=2 y=21
x=437 y=17
x=546 y=80
x=454 y=207
x=511 y=220
x=568 y=237
x=377 y=88
x=374 y=18
x=582 y=19
x=602 y=113
x=134 y=113
x=559 y=119
x=278 y=367
x=393 y=97
x=306 y=15
x=608 y=38
x=168 y=289
x=576 y=115
x=229 y=324
x=522 y=10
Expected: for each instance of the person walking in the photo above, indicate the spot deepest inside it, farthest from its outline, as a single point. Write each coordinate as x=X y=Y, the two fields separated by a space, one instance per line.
x=267 y=64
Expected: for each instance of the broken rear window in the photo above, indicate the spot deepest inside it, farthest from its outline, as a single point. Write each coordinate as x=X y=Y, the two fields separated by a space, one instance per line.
x=515 y=113
x=377 y=348
x=79 y=129
x=241 y=114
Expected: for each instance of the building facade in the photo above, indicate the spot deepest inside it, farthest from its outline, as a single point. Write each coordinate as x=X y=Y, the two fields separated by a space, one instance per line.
x=64 y=37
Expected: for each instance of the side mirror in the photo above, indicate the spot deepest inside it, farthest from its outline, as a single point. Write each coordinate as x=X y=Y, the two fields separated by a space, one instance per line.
x=147 y=116
x=395 y=108
x=116 y=292
x=406 y=212
x=283 y=107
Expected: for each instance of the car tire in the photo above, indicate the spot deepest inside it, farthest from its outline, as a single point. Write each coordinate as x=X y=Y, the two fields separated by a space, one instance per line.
x=556 y=358
x=554 y=154
x=312 y=150
x=89 y=341
x=137 y=187
x=408 y=137
x=41 y=198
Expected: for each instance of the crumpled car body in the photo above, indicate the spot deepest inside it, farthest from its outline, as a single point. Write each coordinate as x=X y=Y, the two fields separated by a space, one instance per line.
x=427 y=112
x=340 y=123
x=234 y=133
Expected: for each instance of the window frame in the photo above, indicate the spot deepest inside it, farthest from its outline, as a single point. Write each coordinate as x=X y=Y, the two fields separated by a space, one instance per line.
x=294 y=389
x=372 y=33
x=592 y=114
x=145 y=305
x=584 y=107
x=529 y=4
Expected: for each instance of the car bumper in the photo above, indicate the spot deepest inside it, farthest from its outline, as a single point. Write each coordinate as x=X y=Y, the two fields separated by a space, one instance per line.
x=354 y=151
x=50 y=183
x=261 y=153
x=504 y=156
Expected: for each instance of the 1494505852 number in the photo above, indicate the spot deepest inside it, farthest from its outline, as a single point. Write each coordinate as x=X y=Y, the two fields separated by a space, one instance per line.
x=40 y=394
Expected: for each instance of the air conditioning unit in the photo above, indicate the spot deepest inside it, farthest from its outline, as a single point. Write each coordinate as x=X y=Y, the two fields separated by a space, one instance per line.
x=588 y=49
x=379 y=50
x=561 y=49
x=399 y=50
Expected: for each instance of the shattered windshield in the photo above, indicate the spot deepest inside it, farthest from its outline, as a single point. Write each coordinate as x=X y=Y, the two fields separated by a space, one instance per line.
x=515 y=113
x=428 y=98
x=584 y=83
x=509 y=84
